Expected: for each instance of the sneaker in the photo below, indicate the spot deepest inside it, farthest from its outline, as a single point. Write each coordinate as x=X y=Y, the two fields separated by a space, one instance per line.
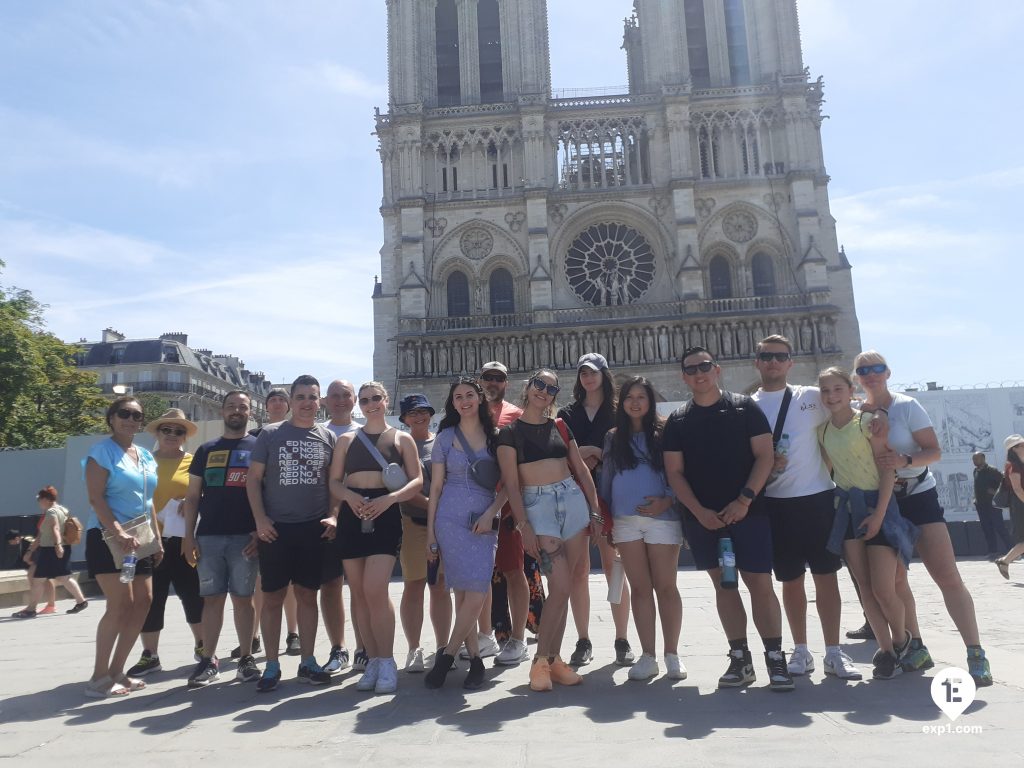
x=624 y=656
x=978 y=666
x=369 y=679
x=337 y=661
x=563 y=674
x=256 y=648
x=475 y=678
x=198 y=653
x=863 y=633
x=387 y=676
x=443 y=664
x=270 y=678
x=513 y=653
x=801 y=662
x=313 y=674
x=900 y=649
x=740 y=671
x=78 y=607
x=488 y=647
x=839 y=664
x=645 y=668
x=414 y=661
x=247 y=670
x=24 y=613
x=540 y=675
x=779 y=678
x=674 y=668
x=147 y=663
x=205 y=673
x=360 y=660
x=916 y=658
x=1004 y=568
x=51 y=608
x=886 y=666
x=291 y=644
x=583 y=654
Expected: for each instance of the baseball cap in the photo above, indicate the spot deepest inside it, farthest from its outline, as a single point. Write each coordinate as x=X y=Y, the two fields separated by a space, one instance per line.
x=494 y=365
x=592 y=360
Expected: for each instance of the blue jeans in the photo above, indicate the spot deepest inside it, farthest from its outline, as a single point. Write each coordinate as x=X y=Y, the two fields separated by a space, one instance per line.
x=223 y=568
x=557 y=509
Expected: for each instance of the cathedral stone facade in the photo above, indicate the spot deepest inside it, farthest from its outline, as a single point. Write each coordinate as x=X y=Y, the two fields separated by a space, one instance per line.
x=530 y=227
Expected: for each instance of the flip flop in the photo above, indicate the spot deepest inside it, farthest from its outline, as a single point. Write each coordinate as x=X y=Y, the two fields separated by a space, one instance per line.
x=1002 y=565
x=104 y=688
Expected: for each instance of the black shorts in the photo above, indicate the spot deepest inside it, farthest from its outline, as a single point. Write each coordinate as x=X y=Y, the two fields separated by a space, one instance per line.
x=751 y=541
x=49 y=566
x=332 y=565
x=800 y=531
x=295 y=557
x=922 y=508
x=99 y=561
x=878 y=540
x=386 y=538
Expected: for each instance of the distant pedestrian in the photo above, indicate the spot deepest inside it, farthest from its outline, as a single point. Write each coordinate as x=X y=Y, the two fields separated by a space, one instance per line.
x=1015 y=495
x=987 y=480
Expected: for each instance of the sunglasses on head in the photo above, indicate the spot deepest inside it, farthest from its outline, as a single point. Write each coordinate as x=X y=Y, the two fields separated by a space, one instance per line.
x=128 y=413
x=767 y=357
x=541 y=386
x=370 y=399
x=176 y=431
x=703 y=367
x=864 y=370
x=494 y=377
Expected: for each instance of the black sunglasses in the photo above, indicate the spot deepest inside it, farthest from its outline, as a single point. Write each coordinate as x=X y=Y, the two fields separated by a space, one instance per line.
x=370 y=399
x=767 y=357
x=176 y=431
x=128 y=413
x=864 y=370
x=704 y=367
x=494 y=377
x=540 y=386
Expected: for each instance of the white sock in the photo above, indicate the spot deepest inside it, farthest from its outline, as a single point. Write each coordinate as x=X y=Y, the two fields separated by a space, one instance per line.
x=831 y=650
x=800 y=647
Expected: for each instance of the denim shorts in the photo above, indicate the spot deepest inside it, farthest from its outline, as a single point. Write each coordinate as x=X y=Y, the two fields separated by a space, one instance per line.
x=223 y=568
x=649 y=530
x=557 y=510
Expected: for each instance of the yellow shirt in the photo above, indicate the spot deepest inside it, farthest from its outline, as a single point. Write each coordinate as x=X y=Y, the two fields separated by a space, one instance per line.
x=171 y=481
x=853 y=460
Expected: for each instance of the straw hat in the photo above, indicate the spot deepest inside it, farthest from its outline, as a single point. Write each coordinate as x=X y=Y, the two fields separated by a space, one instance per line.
x=173 y=416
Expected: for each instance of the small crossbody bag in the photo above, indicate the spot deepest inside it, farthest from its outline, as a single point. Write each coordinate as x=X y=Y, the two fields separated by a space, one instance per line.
x=482 y=470
x=393 y=474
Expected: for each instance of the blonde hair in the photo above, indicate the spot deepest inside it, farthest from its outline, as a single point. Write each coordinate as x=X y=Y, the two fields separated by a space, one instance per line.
x=550 y=410
x=836 y=372
x=374 y=385
x=869 y=357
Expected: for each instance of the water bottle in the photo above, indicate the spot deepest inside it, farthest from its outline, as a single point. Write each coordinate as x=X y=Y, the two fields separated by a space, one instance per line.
x=616 y=580
x=781 y=449
x=727 y=562
x=367 y=525
x=545 y=563
x=128 y=568
x=433 y=566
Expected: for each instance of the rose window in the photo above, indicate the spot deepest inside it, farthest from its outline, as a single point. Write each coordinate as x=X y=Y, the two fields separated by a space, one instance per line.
x=609 y=264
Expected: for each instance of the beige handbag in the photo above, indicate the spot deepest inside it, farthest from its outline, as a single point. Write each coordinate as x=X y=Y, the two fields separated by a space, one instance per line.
x=138 y=527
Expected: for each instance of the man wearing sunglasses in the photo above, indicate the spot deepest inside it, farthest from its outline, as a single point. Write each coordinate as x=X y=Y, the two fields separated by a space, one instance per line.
x=799 y=501
x=291 y=504
x=718 y=455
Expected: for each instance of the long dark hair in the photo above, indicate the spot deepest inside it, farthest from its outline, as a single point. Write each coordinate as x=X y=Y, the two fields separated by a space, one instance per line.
x=651 y=426
x=579 y=394
x=1014 y=463
x=452 y=418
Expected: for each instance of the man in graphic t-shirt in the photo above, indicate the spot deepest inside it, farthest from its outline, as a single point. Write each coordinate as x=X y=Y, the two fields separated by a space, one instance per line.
x=223 y=547
x=799 y=500
x=291 y=503
x=718 y=455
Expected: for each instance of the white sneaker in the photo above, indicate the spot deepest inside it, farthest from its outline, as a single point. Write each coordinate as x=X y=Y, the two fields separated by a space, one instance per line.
x=841 y=665
x=645 y=667
x=414 y=661
x=674 y=668
x=488 y=647
x=514 y=652
x=369 y=679
x=800 y=662
x=387 y=676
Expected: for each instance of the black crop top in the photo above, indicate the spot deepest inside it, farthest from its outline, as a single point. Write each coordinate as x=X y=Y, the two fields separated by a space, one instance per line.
x=358 y=458
x=534 y=442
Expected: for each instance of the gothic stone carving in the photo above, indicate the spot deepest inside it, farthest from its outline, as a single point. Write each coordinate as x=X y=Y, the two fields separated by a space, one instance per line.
x=740 y=227
x=476 y=243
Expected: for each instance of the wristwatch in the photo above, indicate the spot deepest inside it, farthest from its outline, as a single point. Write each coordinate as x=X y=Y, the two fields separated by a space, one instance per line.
x=747 y=493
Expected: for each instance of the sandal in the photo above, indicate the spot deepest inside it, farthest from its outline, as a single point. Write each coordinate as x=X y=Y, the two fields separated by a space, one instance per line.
x=1001 y=564
x=25 y=613
x=131 y=683
x=104 y=688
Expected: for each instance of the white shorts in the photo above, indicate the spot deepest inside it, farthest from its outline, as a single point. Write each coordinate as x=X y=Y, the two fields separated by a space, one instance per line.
x=649 y=530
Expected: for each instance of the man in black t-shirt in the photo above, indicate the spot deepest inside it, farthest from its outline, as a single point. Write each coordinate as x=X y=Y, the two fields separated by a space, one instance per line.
x=224 y=545
x=718 y=455
x=986 y=482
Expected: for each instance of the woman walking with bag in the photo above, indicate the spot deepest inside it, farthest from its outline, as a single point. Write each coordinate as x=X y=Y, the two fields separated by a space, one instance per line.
x=462 y=516
x=1011 y=486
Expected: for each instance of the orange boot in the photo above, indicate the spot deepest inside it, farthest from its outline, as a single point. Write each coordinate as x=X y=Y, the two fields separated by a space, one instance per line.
x=563 y=674
x=540 y=674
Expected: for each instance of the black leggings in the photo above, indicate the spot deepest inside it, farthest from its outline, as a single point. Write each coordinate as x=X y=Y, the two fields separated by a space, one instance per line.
x=174 y=570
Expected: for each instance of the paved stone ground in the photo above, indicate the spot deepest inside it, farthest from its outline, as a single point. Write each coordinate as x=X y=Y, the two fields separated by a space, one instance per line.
x=606 y=721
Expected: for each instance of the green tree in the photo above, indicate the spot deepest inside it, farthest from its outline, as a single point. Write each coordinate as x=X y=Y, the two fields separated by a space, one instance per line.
x=153 y=406
x=44 y=397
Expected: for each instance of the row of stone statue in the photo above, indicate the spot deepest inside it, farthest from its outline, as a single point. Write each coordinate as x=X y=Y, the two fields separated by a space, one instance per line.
x=621 y=346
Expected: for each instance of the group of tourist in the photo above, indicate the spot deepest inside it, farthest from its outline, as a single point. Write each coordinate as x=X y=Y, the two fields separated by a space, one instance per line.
x=789 y=478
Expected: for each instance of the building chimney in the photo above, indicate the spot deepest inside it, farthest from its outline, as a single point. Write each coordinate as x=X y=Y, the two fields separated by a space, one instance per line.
x=178 y=336
x=109 y=335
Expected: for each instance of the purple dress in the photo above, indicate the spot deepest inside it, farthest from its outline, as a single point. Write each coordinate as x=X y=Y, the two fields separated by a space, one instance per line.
x=468 y=557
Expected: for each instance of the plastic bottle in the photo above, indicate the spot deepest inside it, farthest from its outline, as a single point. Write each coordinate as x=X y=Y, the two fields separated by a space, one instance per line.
x=782 y=449
x=727 y=562
x=617 y=579
x=128 y=569
x=545 y=563
x=367 y=525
